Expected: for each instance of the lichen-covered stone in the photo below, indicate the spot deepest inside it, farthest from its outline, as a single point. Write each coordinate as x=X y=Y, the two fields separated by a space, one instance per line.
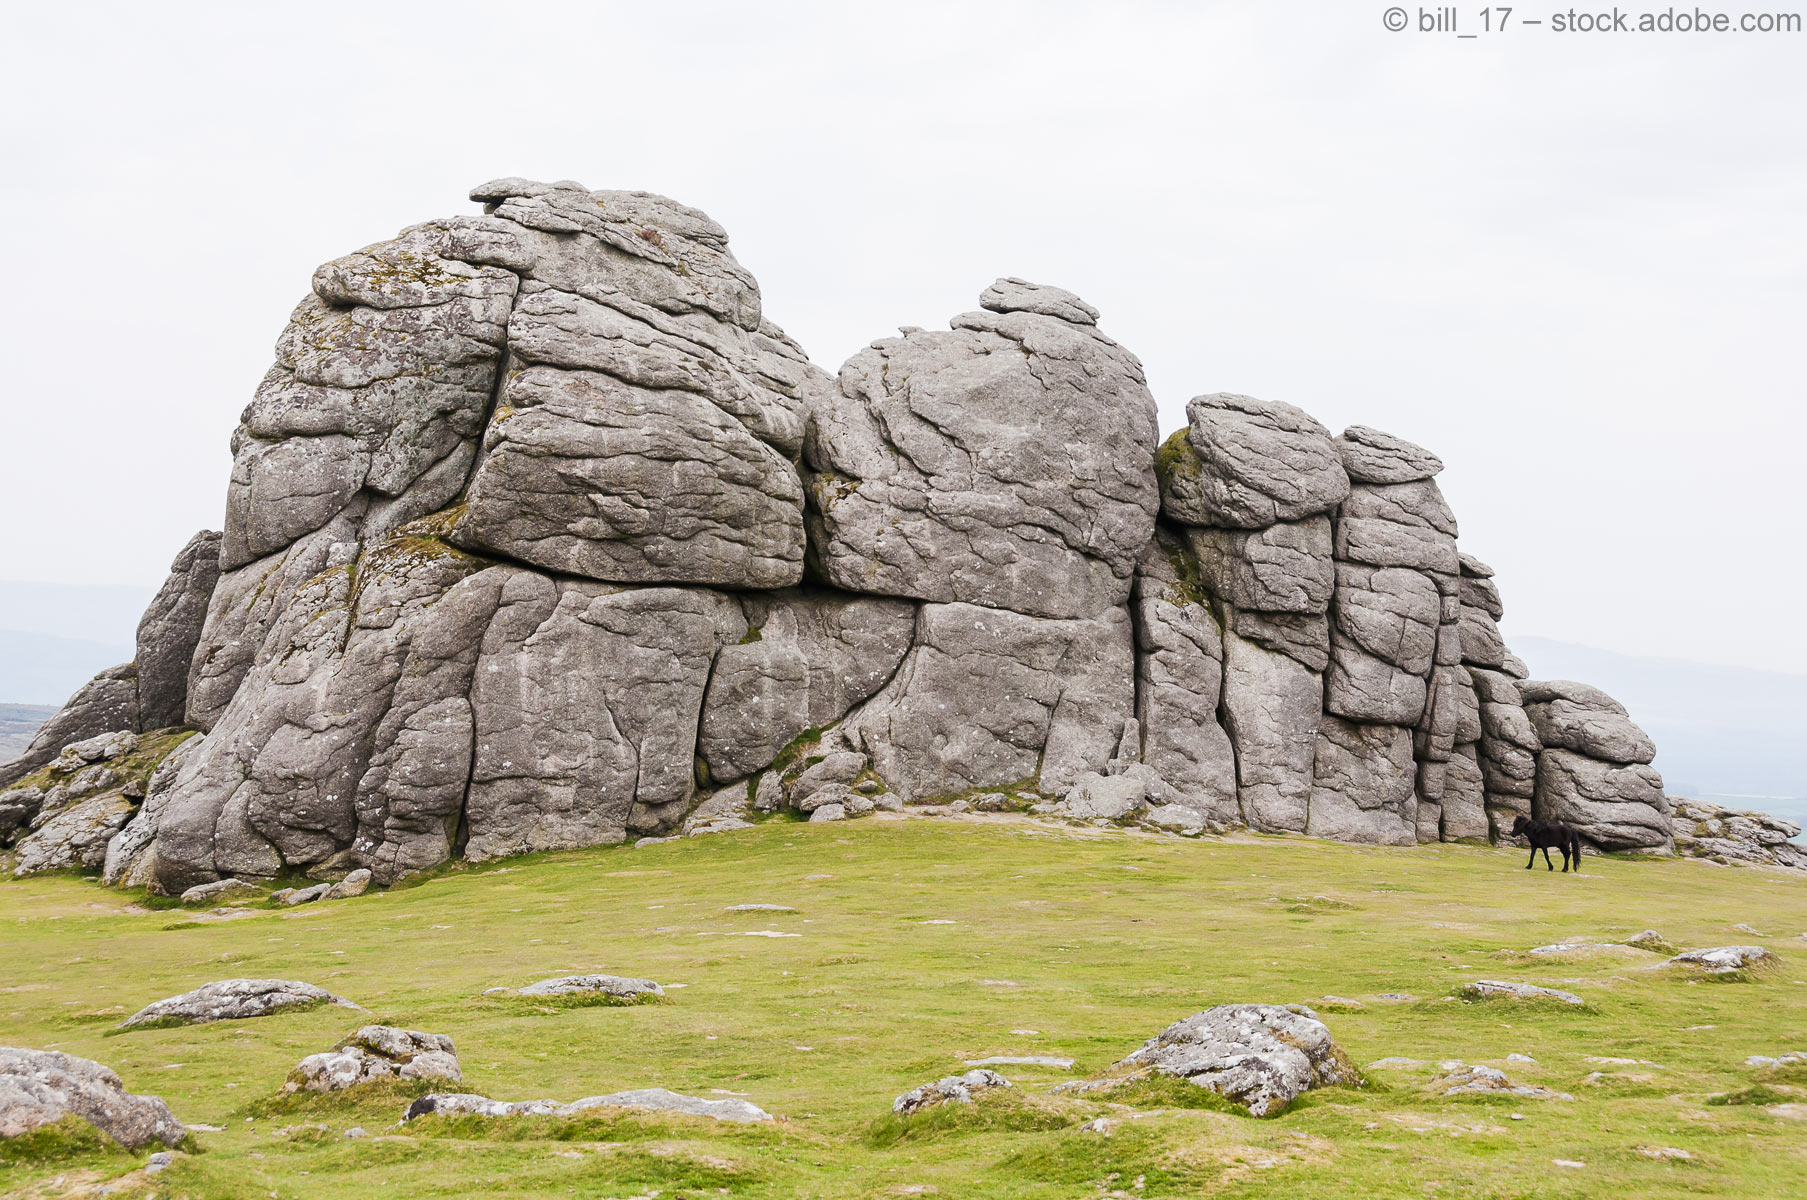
x=42 y=1087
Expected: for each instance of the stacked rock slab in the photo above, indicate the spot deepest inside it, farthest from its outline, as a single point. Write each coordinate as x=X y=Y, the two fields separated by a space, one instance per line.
x=1394 y=693
x=540 y=535
x=1248 y=486
x=1594 y=771
x=1000 y=472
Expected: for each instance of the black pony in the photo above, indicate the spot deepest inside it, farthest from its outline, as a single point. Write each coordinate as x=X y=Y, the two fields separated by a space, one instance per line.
x=1544 y=834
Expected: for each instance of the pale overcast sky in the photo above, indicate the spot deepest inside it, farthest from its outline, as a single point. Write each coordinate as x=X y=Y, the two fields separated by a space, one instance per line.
x=1571 y=265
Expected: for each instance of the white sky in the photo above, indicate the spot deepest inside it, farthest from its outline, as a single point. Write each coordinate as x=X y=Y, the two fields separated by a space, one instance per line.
x=1573 y=266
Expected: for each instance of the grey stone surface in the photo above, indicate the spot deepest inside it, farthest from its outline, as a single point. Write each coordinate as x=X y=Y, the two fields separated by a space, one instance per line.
x=41 y=1087
x=76 y=836
x=381 y=383
x=1383 y=638
x=1362 y=784
x=1726 y=960
x=1616 y=807
x=171 y=628
x=809 y=656
x=989 y=698
x=1007 y=462
x=1100 y=797
x=1584 y=719
x=1244 y=463
x=1371 y=456
x=1464 y=803
x=1283 y=568
x=232 y=1000
x=1488 y=989
x=586 y=474
x=377 y=1052
x=1397 y=525
x=1260 y=1056
x=620 y=986
x=952 y=1089
x=1179 y=683
x=220 y=891
x=1272 y=708
x=656 y=1099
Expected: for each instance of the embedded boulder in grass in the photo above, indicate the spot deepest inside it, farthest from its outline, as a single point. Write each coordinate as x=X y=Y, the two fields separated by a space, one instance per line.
x=377 y=1052
x=1260 y=1056
x=603 y=989
x=1726 y=960
x=656 y=1099
x=1492 y=989
x=232 y=1000
x=42 y=1087
x=953 y=1089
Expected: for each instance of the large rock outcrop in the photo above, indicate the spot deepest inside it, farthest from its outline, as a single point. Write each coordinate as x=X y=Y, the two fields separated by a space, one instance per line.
x=539 y=534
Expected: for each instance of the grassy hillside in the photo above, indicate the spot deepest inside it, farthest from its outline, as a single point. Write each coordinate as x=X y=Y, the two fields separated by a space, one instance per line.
x=919 y=944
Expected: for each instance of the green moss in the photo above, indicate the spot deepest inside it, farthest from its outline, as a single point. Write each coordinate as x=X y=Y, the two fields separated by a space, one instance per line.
x=1176 y=459
x=795 y=748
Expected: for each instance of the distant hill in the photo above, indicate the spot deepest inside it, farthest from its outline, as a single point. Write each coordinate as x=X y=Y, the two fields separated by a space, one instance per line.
x=1729 y=735
x=17 y=723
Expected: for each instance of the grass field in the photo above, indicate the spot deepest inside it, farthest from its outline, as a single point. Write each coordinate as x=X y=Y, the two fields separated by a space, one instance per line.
x=921 y=943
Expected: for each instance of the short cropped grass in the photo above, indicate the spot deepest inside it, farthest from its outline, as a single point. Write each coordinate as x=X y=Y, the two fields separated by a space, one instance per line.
x=921 y=944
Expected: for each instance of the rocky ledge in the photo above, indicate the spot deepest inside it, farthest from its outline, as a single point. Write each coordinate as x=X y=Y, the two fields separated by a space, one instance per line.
x=540 y=534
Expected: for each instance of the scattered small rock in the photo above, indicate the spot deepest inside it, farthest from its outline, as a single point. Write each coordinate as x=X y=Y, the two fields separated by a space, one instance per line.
x=828 y=812
x=356 y=883
x=232 y=1000
x=1652 y=941
x=1487 y=989
x=956 y=1089
x=1460 y=1079
x=1520 y=1058
x=1338 y=1004
x=621 y=987
x=759 y=908
x=159 y=1161
x=205 y=894
x=1726 y=960
x=377 y=1052
x=650 y=1098
x=1022 y=1060
x=1665 y=1153
x=356 y=1131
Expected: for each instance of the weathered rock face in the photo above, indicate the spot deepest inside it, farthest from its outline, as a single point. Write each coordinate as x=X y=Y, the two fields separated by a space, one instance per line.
x=1616 y=807
x=539 y=534
x=1243 y=463
x=41 y=1087
x=1179 y=683
x=807 y=658
x=1261 y=1056
x=989 y=698
x=1007 y=462
x=1592 y=772
x=170 y=630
